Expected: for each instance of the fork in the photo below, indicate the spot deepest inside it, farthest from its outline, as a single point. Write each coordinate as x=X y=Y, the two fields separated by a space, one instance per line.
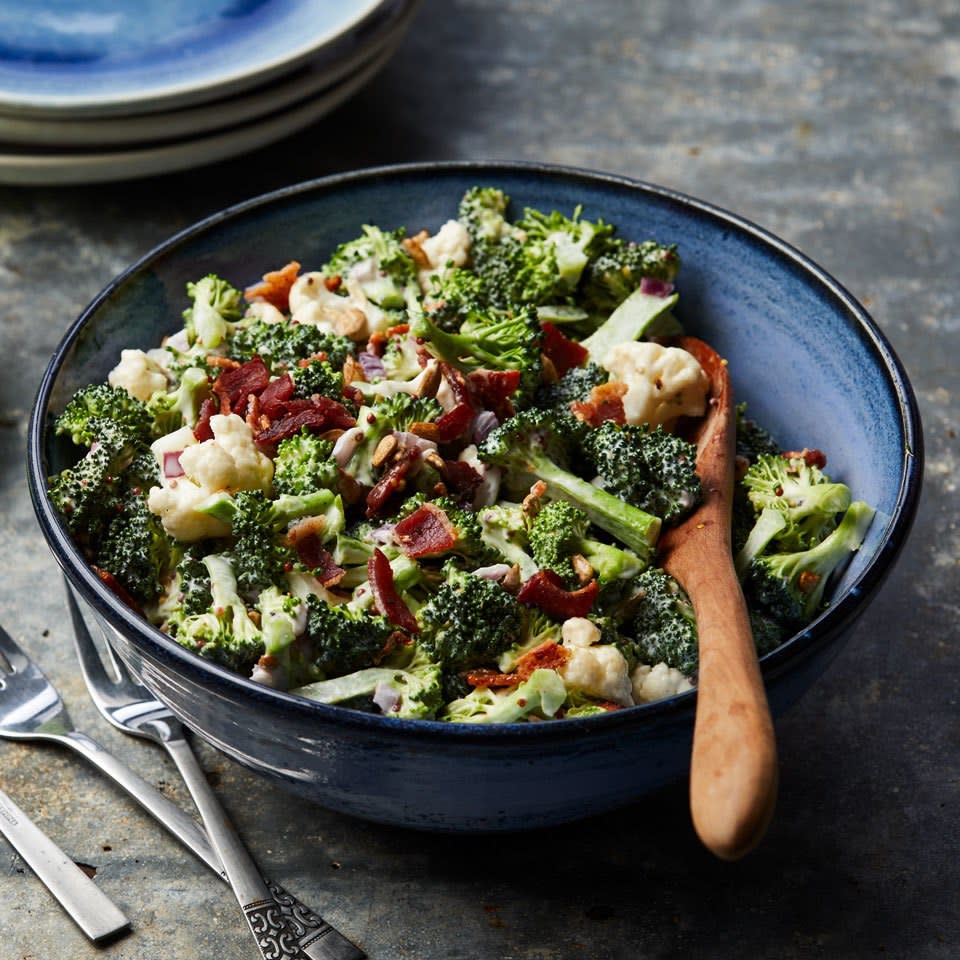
x=129 y=706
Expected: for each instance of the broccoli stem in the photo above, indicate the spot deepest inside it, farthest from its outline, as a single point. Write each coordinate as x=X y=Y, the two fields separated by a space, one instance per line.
x=640 y=314
x=636 y=528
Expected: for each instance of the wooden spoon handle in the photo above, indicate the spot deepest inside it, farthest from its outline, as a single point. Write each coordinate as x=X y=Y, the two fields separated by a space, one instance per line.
x=733 y=772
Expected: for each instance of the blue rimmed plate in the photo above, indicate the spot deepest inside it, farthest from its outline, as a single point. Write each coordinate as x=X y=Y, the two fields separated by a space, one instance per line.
x=101 y=57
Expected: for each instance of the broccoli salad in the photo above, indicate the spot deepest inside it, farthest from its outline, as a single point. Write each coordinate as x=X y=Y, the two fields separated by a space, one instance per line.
x=427 y=477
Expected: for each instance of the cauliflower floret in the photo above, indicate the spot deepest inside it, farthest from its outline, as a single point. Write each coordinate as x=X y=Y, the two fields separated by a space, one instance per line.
x=138 y=374
x=663 y=383
x=450 y=245
x=264 y=312
x=656 y=682
x=309 y=288
x=229 y=462
x=599 y=670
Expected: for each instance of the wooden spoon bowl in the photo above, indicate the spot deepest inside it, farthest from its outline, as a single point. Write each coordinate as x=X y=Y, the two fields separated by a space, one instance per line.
x=733 y=768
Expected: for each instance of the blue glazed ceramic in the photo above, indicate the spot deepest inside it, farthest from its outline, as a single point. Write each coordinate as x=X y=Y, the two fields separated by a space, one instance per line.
x=105 y=56
x=805 y=356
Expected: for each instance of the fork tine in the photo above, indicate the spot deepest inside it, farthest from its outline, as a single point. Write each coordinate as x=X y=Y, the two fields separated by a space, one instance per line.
x=15 y=657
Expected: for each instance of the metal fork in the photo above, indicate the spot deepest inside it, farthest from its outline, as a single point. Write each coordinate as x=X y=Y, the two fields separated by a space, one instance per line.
x=132 y=708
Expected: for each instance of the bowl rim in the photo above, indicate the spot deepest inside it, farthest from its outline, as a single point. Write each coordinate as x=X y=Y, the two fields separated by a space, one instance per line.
x=802 y=645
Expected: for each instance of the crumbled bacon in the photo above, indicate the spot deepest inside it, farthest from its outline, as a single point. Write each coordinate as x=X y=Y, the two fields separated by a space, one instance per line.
x=202 y=430
x=488 y=677
x=117 y=588
x=461 y=479
x=560 y=350
x=427 y=532
x=548 y=656
x=317 y=414
x=493 y=390
x=234 y=385
x=275 y=286
x=545 y=590
x=457 y=383
x=387 y=601
x=812 y=458
x=393 y=480
x=604 y=403
x=275 y=394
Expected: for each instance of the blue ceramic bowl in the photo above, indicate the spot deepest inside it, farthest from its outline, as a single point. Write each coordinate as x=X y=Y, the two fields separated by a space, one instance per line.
x=803 y=353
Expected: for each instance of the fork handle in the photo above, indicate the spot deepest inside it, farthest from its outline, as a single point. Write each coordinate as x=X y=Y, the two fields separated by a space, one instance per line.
x=279 y=933
x=165 y=811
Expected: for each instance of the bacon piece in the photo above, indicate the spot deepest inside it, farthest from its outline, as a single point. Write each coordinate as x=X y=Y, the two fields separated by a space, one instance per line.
x=457 y=383
x=604 y=403
x=560 y=350
x=460 y=479
x=319 y=560
x=812 y=458
x=235 y=385
x=427 y=532
x=545 y=590
x=548 y=656
x=393 y=480
x=275 y=394
x=453 y=423
x=388 y=602
x=487 y=677
x=493 y=390
x=117 y=588
x=202 y=430
x=275 y=286
x=318 y=414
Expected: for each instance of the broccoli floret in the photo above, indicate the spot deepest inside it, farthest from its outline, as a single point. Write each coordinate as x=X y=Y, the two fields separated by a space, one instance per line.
x=538 y=628
x=261 y=557
x=652 y=469
x=193 y=580
x=99 y=402
x=618 y=269
x=407 y=688
x=790 y=587
x=540 y=696
x=802 y=492
x=344 y=639
x=570 y=242
x=386 y=415
x=282 y=345
x=89 y=494
x=285 y=662
x=318 y=378
x=505 y=341
x=180 y=407
x=378 y=262
x=559 y=532
x=574 y=386
x=535 y=443
x=640 y=315
x=401 y=358
x=216 y=303
x=483 y=212
x=455 y=296
x=503 y=526
x=468 y=621
x=303 y=464
x=769 y=523
x=469 y=543
x=664 y=627
x=225 y=633
x=136 y=550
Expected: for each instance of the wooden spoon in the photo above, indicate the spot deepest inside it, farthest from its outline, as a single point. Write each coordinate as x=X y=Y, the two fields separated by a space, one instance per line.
x=733 y=769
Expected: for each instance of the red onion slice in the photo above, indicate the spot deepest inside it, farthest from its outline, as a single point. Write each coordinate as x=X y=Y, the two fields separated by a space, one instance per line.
x=373 y=368
x=385 y=697
x=171 y=464
x=656 y=288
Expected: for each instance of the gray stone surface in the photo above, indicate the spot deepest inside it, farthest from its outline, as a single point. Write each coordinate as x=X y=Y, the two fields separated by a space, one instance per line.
x=835 y=125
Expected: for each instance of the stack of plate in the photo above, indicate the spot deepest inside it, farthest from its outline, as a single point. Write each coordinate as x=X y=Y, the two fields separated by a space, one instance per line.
x=97 y=90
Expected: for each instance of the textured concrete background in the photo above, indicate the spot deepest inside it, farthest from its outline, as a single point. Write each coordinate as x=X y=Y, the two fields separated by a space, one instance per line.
x=835 y=125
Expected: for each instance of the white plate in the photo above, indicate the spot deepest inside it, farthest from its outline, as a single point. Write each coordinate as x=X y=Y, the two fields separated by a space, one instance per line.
x=108 y=57
x=27 y=131
x=28 y=168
